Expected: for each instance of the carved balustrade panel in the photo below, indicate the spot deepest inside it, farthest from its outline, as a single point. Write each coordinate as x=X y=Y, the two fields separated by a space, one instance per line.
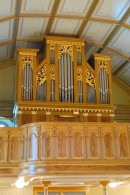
x=3 y=145
x=55 y=141
x=11 y=145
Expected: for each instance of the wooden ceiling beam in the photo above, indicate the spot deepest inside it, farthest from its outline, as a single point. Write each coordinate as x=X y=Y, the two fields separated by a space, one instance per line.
x=7 y=63
x=111 y=36
x=51 y=20
x=117 y=28
x=16 y=25
x=117 y=52
x=121 y=84
x=7 y=42
x=88 y=15
x=43 y=15
x=120 y=68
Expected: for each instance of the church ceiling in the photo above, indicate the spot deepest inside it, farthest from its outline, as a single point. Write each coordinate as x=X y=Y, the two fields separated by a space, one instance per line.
x=104 y=24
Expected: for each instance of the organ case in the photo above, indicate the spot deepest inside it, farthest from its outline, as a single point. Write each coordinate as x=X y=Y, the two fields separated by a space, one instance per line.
x=63 y=82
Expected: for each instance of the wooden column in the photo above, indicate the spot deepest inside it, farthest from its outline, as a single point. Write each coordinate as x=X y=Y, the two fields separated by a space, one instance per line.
x=19 y=118
x=84 y=73
x=56 y=74
x=48 y=72
x=19 y=79
x=45 y=185
x=104 y=184
x=34 y=74
x=75 y=74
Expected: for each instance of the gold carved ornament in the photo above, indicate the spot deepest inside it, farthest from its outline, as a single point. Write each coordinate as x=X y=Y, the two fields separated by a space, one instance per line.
x=103 y=64
x=79 y=48
x=55 y=109
x=79 y=43
x=79 y=75
x=65 y=49
x=52 y=74
x=27 y=53
x=27 y=60
x=52 y=47
x=41 y=76
x=90 y=78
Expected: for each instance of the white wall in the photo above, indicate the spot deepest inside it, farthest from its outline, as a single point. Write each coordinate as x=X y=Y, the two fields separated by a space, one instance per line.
x=15 y=191
x=7 y=83
x=110 y=191
x=96 y=190
x=119 y=191
x=120 y=96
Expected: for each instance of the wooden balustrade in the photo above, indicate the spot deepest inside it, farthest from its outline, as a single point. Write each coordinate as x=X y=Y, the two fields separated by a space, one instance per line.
x=58 y=140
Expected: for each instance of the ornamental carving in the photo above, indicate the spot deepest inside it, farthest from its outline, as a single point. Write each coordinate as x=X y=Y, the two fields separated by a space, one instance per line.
x=52 y=47
x=66 y=49
x=27 y=53
x=52 y=74
x=102 y=58
x=79 y=48
x=103 y=64
x=67 y=109
x=90 y=78
x=81 y=43
x=79 y=72
x=27 y=60
x=41 y=76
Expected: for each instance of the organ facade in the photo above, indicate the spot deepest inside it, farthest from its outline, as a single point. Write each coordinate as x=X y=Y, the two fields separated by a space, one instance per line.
x=56 y=83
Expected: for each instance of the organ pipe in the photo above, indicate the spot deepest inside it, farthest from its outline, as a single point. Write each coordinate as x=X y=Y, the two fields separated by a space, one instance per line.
x=80 y=96
x=27 y=87
x=52 y=90
x=103 y=86
x=66 y=83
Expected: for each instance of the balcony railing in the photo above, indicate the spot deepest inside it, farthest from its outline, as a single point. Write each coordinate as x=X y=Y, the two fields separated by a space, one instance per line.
x=57 y=140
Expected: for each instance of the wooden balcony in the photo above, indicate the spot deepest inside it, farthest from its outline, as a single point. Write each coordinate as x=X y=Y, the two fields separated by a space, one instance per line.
x=65 y=148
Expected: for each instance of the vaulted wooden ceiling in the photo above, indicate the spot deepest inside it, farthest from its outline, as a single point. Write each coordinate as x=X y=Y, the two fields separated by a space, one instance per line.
x=105 y=24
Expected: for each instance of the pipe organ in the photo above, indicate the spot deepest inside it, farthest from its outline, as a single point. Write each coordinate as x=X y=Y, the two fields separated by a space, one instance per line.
x=64 y=83
x=27 y=81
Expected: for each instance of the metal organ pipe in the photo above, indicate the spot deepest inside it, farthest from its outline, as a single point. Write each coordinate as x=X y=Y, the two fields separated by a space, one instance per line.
x=52 y=90
x=100 y=86
x=30 y=84
x=103 y=89
x=80 y=91
x=72 y=80
x=68 y=74
x=25 y=73
x=66 y=78
x=103 y=86
x=60 y=78
x=22 y=83
x=27 y=87
x=107 y=90
x=26 y=84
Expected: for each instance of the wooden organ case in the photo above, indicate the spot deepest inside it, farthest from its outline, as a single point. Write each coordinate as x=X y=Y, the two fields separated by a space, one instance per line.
x=58 y=84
